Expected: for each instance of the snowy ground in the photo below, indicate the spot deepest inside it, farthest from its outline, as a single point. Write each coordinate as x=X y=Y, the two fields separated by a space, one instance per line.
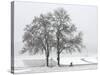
x=30 y=65
x=56 y=69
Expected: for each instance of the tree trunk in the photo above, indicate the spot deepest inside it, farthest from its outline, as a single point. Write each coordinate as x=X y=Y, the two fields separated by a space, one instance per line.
x=47 y=60
x=58 y=58
x=58 y=53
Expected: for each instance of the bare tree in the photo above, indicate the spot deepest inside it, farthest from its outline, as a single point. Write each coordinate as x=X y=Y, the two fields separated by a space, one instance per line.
x=38 y=36
x=64 y=33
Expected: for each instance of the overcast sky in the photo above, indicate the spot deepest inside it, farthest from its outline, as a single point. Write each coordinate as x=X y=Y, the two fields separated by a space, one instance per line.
x=84 y=17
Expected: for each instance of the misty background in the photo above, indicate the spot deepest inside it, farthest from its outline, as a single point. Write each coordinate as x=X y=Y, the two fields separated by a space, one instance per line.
x=84 y=18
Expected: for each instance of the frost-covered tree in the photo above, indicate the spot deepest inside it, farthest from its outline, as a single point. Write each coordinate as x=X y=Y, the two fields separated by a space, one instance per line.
x=65 y=33
x=38 y=36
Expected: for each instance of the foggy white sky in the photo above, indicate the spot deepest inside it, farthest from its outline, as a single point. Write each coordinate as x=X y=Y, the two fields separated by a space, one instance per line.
x=84 y=17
